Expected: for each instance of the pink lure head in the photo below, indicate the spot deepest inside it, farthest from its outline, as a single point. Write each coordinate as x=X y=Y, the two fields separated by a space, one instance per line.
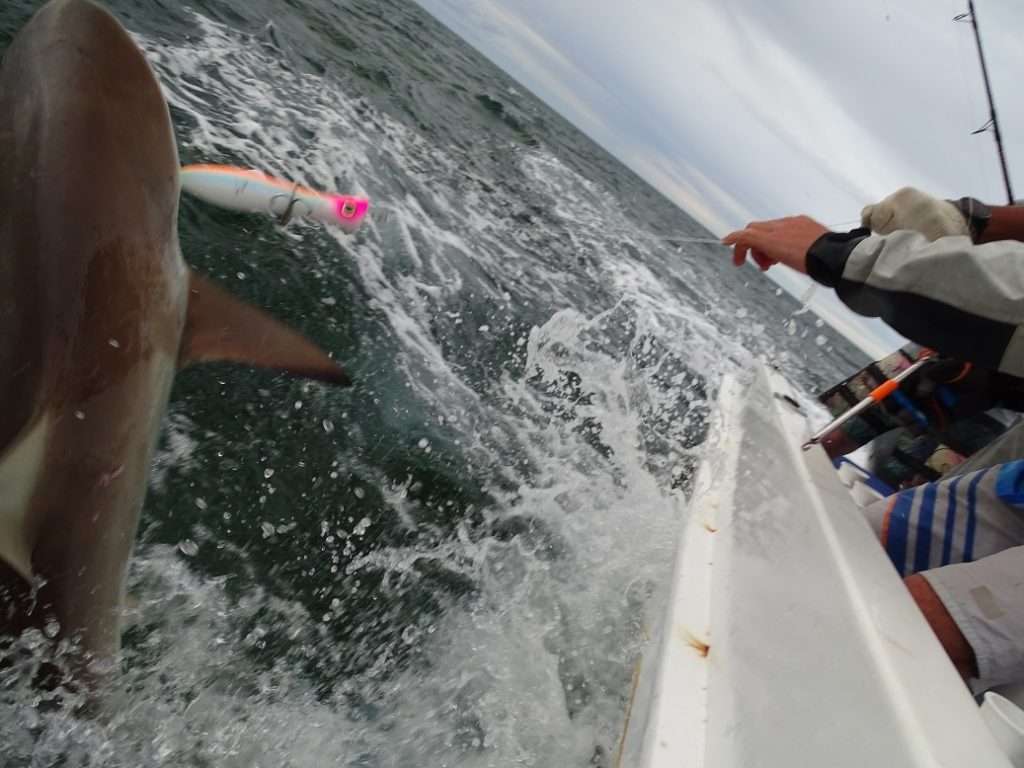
x=350 y=211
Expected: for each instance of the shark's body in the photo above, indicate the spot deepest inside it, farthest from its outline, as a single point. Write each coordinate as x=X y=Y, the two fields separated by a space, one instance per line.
x=97 y=312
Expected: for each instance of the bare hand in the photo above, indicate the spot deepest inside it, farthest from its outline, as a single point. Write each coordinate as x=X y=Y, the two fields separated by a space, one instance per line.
x=780 y=241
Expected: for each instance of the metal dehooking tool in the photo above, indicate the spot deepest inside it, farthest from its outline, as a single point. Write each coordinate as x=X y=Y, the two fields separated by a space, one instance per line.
x=877 y=395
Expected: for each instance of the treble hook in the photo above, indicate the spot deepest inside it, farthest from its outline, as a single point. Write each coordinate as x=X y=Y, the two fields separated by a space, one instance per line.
x=286 y=214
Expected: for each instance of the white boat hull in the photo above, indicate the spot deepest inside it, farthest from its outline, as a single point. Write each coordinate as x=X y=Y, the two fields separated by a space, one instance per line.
x=789 y=639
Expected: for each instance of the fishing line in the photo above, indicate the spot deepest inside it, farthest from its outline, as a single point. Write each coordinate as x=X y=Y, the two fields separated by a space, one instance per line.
x=805 y=300
x=717 y=241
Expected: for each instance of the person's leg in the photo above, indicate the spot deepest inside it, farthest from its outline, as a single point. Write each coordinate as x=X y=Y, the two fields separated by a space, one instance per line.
x=954 y=520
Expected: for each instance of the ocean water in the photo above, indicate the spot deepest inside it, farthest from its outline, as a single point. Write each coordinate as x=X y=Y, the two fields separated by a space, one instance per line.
x=453 y=562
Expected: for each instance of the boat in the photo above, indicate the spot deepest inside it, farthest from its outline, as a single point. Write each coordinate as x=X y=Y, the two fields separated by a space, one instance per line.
x=788 y=638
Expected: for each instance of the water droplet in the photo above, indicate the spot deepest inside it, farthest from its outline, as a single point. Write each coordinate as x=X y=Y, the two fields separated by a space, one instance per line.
x=298 y=405
x=330 y=301
x=820 y=340
x=361 y=526
x=201 y=503
x=360 y=493
x=240 y=275
x=268 y=529
x=114 y=343
x=52 y=628
x=484 y=328
x=268 y=473
x=80 y=415
x=423 y=443
x=328 y=426
x=188 y=548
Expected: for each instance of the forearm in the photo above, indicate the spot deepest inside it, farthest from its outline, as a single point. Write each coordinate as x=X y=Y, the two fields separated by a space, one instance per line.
x=1007 y=223
x=943 y=625
x=977 y=611
x=963 y=300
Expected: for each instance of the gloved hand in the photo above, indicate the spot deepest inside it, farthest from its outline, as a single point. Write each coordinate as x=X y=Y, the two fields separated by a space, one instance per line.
x=910 y=208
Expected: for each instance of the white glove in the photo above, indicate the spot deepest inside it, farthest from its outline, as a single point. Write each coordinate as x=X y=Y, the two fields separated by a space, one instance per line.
x=910 y=208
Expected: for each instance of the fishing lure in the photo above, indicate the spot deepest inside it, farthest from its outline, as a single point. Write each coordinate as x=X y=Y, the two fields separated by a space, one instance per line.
x=251 y=191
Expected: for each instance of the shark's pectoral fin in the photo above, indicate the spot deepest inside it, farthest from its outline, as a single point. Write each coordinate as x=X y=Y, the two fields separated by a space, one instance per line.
x=221 y=327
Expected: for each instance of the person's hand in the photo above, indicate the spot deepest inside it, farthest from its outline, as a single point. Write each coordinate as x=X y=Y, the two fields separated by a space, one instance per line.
x=910 y=208
x=942 y=624
x=780 y=241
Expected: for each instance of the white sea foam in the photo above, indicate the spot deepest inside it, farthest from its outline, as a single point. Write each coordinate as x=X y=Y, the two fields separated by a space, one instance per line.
x=607 y=418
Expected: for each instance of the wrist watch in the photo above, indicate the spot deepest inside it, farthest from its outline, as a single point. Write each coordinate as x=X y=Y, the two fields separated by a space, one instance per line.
x=975 y=213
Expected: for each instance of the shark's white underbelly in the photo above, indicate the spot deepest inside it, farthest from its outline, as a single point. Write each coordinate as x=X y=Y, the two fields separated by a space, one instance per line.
x=20 y=468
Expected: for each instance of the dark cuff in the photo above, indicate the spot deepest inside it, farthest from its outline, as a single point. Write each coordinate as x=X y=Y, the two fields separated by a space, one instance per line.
x=975 y=213
x=826 y=258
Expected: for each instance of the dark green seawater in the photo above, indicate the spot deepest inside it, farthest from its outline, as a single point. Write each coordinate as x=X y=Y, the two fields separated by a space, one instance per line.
x=450 y=563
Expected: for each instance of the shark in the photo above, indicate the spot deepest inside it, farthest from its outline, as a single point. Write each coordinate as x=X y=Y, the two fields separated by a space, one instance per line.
x=98 y=312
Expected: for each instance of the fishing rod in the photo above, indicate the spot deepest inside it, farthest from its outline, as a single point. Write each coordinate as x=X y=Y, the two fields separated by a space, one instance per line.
x=993 y=121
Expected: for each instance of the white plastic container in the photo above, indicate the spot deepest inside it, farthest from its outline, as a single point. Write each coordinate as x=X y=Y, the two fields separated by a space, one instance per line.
x=1006 y=721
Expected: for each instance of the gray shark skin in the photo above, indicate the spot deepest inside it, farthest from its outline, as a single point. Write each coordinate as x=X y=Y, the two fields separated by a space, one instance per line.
x=97 y=313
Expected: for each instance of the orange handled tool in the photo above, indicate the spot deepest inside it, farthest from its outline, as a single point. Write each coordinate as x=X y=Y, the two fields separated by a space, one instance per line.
x=877 y=395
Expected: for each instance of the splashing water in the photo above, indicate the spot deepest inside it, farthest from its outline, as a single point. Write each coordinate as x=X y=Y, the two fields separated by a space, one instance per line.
x=453 y=563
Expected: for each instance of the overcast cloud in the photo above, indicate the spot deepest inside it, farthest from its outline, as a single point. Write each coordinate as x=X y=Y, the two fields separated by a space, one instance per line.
x=747 y=109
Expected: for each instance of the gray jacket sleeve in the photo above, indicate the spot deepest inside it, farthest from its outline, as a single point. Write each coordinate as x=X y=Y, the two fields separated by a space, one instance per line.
x=963 y=300
x=986 y=600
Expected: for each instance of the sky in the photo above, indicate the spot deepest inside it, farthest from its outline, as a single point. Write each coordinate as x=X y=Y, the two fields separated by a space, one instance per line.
x=740 y=110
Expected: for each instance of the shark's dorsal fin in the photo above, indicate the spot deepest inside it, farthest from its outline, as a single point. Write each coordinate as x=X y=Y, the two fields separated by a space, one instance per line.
x=221 y=327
